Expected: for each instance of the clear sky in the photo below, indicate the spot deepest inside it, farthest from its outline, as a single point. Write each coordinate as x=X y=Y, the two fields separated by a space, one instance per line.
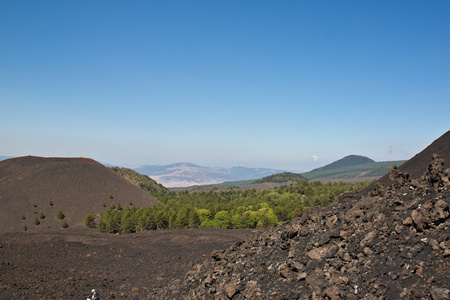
x=279 y=84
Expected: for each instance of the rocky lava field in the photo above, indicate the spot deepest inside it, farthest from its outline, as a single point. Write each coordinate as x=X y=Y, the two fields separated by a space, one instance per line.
x=392 y=244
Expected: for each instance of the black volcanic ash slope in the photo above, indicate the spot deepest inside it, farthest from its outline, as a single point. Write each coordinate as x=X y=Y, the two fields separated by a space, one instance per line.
x=417 y=165
x=392 y=246
x=77 y=186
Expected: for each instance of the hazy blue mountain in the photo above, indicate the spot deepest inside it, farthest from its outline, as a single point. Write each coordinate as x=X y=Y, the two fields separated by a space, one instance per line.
x=186 y=174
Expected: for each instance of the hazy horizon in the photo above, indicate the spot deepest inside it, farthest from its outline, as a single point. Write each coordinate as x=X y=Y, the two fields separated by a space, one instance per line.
x=291 y=85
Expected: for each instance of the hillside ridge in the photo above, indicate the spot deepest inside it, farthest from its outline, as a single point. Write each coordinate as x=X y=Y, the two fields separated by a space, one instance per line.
x=347 y=161
x=33 y=185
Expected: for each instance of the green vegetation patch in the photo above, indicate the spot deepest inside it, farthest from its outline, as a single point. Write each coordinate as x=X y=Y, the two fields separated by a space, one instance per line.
x=224 y=209
x=282 y=178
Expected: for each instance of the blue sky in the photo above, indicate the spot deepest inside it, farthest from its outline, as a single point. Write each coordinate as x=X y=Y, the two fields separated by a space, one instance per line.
x=281 y=84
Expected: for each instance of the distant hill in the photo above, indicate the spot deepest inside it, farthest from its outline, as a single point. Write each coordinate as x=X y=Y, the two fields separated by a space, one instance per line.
x=349 y=168
x=77 y=186
x=282 y=178
x=352 y=167
x=268 y=182
x=187 y=174
x=346 y=162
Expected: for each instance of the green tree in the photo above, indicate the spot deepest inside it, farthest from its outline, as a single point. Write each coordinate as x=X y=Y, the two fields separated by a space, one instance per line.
x=64 y=224
x=41 y=215
x=182 y=218
x=36 y=221
x=222 y=220
x=194 y=220
x=203 y=215
x=89 y=221
x=60 y=215
x=23 y=217
x=129 y=221
x=50 y=203
x=25 y=228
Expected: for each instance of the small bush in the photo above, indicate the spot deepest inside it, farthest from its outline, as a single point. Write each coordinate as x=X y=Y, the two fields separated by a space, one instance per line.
x=89 y=221
x=118 y=207
x=130 y=203
x=64 y=224
x=25 y=228
x=36 y=221
x=23 y=217
x=50 y=203
x=34 y=205
x=60 y=215
x=111 y=196
x=35 y=212
x=104 y=204
x=41 y=215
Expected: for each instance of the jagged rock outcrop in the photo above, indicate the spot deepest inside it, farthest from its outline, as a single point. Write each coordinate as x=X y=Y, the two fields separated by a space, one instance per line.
x=393 y=244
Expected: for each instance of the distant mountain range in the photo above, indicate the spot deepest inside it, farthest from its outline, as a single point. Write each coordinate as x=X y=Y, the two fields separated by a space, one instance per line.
x=186 y=174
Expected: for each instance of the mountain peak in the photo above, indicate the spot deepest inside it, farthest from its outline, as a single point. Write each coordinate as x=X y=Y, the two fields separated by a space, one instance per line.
x=347 y=161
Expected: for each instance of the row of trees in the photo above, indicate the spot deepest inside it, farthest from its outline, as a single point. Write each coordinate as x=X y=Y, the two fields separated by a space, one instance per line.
x=222 y=209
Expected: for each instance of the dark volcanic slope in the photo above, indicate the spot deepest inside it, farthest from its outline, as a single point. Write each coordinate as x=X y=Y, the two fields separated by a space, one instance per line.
x=77 y=186
x=395 y=245
x=417 y=165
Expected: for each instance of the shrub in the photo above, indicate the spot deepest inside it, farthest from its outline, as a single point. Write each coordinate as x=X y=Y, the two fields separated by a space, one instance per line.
x=25 y=228
x=60 y=215
x=34 y=205
x=23 y=217
x=111 y=196
x=36 y=221
x=118 y=207
x=104 y=204
x=41 y=215
x=50 y=203
x=64 y=224
x=130 y=203
x=89 y=221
